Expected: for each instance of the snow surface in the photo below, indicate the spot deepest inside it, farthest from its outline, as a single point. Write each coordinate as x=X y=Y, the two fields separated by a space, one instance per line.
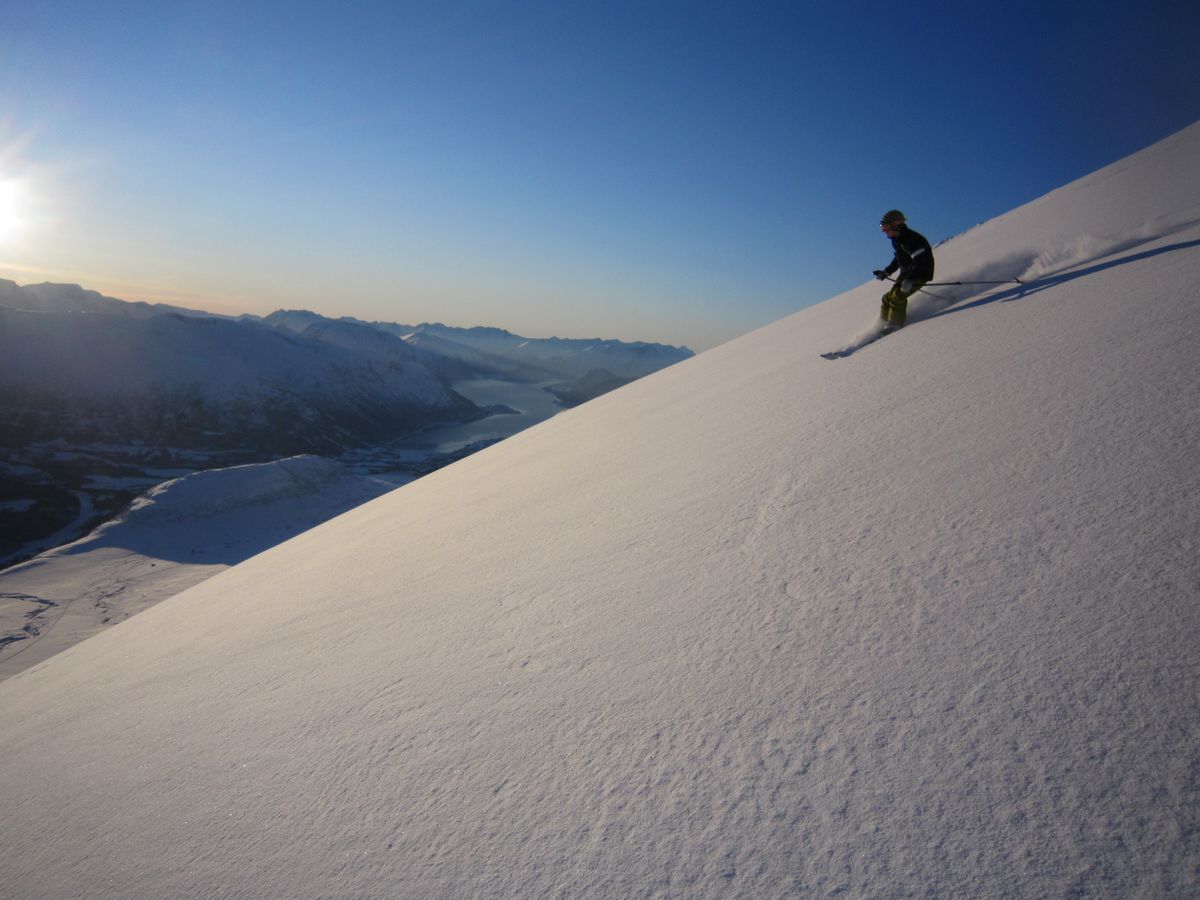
x=922 y=621
x=172 y=537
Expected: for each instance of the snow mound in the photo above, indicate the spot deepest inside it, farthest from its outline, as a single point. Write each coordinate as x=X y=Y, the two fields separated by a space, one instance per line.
x=203 y=494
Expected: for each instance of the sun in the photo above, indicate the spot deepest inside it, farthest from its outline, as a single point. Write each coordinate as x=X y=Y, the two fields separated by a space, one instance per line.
x=13 y=204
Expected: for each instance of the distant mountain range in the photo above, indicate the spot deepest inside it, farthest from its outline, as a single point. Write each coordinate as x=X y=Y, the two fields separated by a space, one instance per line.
x=84 y=367
x=103 y=398
x=499 y=353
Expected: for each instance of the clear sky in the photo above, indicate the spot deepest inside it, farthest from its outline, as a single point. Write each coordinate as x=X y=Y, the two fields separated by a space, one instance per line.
x=670 y=171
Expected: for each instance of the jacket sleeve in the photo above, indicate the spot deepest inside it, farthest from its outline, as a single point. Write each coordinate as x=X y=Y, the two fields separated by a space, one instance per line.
x=914 y=258
x=920 y=260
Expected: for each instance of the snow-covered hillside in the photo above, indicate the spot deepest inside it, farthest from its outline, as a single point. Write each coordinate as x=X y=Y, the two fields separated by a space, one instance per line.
x=174 y=536
x=919 y=622
x=202 y=381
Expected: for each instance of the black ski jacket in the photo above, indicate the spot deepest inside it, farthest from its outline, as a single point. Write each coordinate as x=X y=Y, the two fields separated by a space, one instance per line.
x=913 y=256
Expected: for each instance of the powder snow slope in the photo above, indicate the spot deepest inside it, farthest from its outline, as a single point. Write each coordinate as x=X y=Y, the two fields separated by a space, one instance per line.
x=918 y=622
x=172 y=537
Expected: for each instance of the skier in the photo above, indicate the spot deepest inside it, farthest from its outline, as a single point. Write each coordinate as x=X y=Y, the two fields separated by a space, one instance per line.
x=913 y=257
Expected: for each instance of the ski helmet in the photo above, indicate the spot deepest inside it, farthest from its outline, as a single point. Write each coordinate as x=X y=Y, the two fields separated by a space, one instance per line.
x=892 y=218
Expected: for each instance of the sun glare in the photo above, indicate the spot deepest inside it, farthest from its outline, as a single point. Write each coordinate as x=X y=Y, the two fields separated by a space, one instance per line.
x=12 y=209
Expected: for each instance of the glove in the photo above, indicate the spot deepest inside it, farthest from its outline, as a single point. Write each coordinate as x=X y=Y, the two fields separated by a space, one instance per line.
x=906 y=286
x=880 y=274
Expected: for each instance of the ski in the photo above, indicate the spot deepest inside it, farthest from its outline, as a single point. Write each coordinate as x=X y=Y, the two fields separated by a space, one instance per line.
x=847 y=351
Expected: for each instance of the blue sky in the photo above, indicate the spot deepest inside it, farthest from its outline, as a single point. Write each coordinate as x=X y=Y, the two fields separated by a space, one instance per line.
x=679 y=172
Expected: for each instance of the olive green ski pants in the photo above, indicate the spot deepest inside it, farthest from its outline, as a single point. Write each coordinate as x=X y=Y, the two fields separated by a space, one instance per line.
x=894 y=308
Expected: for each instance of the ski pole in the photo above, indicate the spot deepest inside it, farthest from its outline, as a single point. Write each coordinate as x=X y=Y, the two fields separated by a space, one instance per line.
x=949 y=283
